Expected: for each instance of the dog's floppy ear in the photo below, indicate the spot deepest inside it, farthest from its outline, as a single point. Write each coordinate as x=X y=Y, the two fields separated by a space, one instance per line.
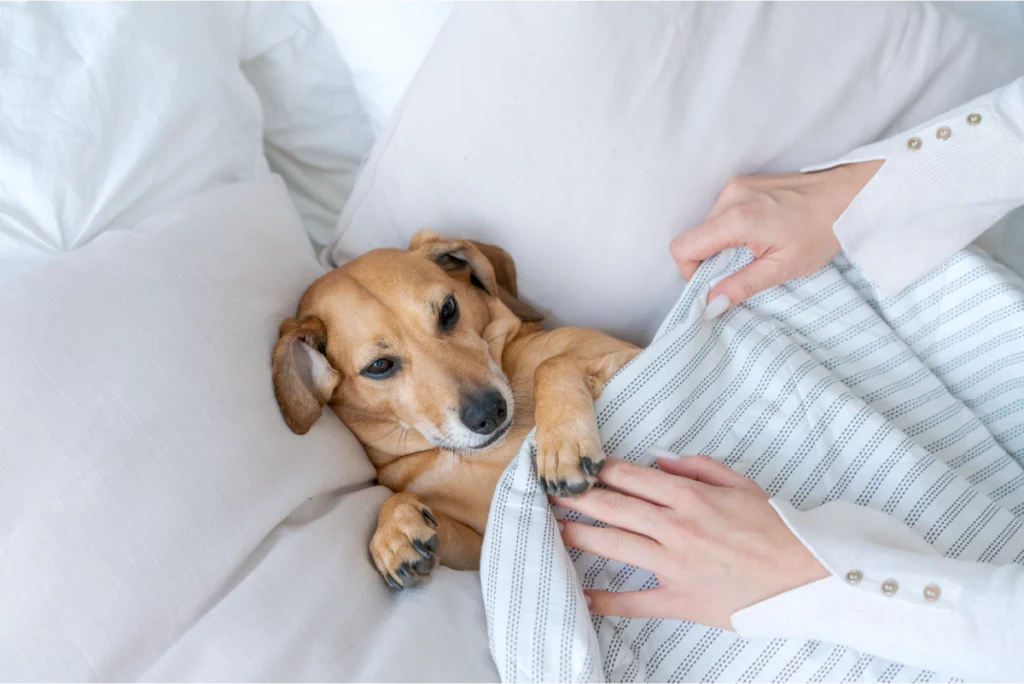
x=303 y=378
x=490 y=267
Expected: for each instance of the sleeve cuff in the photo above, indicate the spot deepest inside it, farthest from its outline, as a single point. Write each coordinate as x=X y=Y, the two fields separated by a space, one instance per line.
x=940 y=186
x=892 y=595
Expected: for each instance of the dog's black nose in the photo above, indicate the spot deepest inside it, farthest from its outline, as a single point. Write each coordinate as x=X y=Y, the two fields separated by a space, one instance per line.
x=483 y=411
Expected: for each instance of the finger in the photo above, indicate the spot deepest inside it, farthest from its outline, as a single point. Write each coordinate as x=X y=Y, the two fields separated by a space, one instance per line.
x=615 y=508
x=610 y=542
x=703 y=469
x=706 y=240
x=747 y=282
x=629 y=604
x=644 y=483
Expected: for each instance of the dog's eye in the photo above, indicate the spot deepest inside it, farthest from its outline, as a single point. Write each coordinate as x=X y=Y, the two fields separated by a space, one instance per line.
x=449 y=314
x=380 y=369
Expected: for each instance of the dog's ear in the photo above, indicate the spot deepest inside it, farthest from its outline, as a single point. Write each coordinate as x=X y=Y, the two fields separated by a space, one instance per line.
x=489 y=267
x=303 y=378
x=501 y=262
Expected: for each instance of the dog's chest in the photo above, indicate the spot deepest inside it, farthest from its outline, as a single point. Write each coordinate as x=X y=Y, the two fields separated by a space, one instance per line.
x=462 y=486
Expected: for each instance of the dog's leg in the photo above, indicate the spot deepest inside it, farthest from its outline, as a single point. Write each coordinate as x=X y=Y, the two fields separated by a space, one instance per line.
x=411 y=539
x=569 y=454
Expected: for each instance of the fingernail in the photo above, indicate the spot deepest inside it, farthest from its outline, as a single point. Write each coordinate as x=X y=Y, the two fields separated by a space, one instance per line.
x=662 y=453
x=561 y=526
x=586 y=597
x=716 y=307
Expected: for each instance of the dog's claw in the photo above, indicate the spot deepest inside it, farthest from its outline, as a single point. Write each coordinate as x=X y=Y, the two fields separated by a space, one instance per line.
x=422 y=548
x=592 y=467
x=578 y=488
x=405 y=546
x=433 y=543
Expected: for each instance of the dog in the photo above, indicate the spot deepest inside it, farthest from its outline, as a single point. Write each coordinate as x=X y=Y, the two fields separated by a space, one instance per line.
x=432 y=361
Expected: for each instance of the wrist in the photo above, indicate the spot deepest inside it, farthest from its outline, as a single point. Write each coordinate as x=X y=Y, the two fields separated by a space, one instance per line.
x=840 y=185
x=801 y=566
x=853 y=177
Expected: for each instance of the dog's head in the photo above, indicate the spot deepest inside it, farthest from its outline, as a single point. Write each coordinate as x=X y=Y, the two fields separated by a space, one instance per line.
x=407 y=346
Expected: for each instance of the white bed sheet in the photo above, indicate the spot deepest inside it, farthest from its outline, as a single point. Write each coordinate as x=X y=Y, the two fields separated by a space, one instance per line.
x=309 y=606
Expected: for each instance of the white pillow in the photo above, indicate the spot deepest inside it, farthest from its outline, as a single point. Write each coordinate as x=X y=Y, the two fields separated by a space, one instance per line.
x=158 y=519
x=384 y=44
x=582 y=137
x=316 y=132
x=112 y=111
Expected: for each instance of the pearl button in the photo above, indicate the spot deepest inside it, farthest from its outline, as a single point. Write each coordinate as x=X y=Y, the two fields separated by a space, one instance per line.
x=854 y=576
x=889 y=587
x=914 y=143
x=943 y=133
x=931 y=593
x=974 y=119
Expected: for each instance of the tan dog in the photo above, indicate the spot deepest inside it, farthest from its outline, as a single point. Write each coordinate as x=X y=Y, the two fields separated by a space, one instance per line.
x=436 y=367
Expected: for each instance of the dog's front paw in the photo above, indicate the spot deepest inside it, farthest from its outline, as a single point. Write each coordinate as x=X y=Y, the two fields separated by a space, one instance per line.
x=405 y=545
x=569 y=456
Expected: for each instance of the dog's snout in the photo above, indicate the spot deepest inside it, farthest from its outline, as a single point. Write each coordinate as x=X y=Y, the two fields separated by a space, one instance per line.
x=483 y=411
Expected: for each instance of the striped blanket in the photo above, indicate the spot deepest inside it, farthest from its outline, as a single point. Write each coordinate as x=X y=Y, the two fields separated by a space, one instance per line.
x=819 y=390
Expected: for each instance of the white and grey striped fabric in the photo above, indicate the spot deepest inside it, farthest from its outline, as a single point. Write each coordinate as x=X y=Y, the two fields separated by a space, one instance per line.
x=819 y=390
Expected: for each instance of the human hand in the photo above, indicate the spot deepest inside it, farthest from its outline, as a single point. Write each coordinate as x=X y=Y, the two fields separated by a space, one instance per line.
x=709 y=535
x=785 y=219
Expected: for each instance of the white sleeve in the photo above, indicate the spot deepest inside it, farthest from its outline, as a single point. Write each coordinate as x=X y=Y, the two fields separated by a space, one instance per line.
x=892 y=595
x=941 y=186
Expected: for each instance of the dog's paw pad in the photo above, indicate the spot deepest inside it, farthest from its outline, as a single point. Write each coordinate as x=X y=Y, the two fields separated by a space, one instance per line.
x=405 y=545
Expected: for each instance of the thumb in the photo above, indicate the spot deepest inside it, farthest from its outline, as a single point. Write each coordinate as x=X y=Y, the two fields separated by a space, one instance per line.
x=744 y=284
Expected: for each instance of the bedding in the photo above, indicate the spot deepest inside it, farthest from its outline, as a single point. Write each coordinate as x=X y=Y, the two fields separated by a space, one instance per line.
x=384 y=44
x=198 y=89
x=315 y=130
x=107 y=118
x=576 y=133
x=158 y=520
x=819 y=390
